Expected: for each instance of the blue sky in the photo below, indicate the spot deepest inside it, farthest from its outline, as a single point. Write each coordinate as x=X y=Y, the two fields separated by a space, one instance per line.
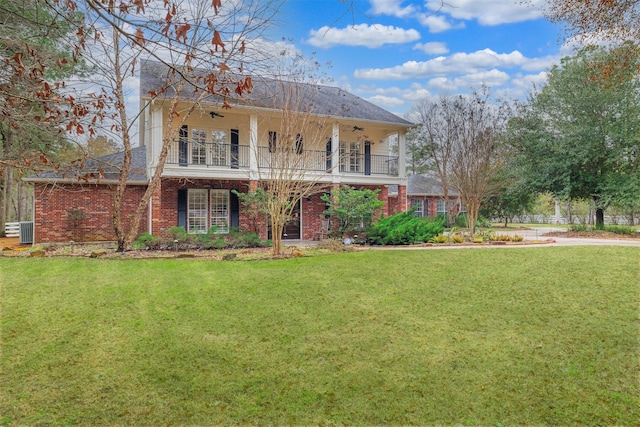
x=396 y=52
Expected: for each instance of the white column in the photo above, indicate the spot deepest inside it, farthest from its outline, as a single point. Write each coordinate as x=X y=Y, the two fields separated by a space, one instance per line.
x=402 y=142
x=335 y=152
x=558 y=213
x=155 y=138
x=253 y=147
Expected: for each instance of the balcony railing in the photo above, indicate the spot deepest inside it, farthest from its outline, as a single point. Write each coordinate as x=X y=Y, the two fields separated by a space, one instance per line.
x=373 y=164
x=193 y=153
x=234 y=156
x=308 y=160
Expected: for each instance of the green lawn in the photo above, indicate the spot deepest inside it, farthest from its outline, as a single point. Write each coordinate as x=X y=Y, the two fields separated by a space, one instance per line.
x=544 y=336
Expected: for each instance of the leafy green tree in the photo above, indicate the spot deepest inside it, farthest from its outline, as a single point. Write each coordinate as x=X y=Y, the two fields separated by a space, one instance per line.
x=514 y=198
x=353 y=210
x=29 y=43
x=578 y=136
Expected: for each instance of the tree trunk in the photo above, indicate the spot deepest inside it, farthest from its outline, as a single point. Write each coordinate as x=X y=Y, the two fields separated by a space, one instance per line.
x=5 y=202
x=473 y=207
x=9 y=194
x=276 y=236
x=599 y=218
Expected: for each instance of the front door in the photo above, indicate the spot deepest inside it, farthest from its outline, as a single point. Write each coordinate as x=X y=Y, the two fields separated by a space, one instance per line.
x=291 y=229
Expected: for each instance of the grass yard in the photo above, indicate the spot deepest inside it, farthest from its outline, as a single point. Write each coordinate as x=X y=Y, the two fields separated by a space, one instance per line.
x=544 y=336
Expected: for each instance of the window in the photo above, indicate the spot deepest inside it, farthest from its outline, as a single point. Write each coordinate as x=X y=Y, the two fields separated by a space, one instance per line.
x=273 y=137
x=350 y=157
x=299 y=144
x=220 y=210
x=207 y=208
x=198 y=147
x=417 y=204
x=197 y=211
x=441 y=208
x=218 y=148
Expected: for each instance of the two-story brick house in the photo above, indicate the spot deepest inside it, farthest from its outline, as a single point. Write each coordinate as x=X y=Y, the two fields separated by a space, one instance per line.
x=220 y=150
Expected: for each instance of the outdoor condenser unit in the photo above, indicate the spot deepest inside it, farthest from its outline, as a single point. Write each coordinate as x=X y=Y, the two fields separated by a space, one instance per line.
x=26 y=233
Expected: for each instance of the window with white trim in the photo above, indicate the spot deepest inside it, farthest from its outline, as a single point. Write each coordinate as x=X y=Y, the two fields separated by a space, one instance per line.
x=218 y=148
x=220 y=210
x=418 y=205
x=197 y=204
x=198 y=146
x=350 y=157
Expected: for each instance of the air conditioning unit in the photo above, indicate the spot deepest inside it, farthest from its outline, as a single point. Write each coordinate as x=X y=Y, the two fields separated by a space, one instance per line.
x=26 y=233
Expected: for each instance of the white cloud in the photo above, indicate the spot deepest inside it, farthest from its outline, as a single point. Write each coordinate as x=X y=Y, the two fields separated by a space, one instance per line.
x=371 y=36
x=524 y=83
x=392 y=97
x=432 y=48
x=442 y=84
x=437 y=23
x=392 y=8
x=488 y=12
x=416 y=92
x=387 y=101
x=457 y=63
x=491 y=78
x=542 y=63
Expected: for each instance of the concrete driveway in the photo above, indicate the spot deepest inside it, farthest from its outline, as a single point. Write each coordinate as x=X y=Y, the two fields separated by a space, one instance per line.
x=537 y=234
x=530 y=235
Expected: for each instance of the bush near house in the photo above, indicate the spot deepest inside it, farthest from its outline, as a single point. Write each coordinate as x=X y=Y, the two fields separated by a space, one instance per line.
x=404 y=229
x=177 y=238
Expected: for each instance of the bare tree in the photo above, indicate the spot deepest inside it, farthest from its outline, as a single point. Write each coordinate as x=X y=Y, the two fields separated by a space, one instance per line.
x=293 y=158
x=113 y=38
x=603 y=19
x=477 y=154
x=461 y=137
x=436 y=135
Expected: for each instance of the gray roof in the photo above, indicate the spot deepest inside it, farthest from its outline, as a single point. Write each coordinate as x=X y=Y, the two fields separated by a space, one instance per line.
x=267 y=93
x=105 y=168
x=422 y=185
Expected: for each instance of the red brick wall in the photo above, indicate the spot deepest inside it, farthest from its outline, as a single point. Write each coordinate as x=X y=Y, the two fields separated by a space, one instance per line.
x=169 y=203
x=312 y=215
x=432 y=204
x=402 y=199
x=53 y=204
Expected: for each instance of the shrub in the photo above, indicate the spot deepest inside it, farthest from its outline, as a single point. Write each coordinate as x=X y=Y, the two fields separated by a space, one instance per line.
x=403 y=229
x=457 y=238
x=240 y=240
x=483 y=222
x=176 y=233
x=440 y=238
x=462 y=221
x=617 y=229
x=178 y=240
x=482 y=236
x=578 y=227
x=620 y=229
x=517 y=238
x=444 y=219
x=144 y=240
x=497 y=237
